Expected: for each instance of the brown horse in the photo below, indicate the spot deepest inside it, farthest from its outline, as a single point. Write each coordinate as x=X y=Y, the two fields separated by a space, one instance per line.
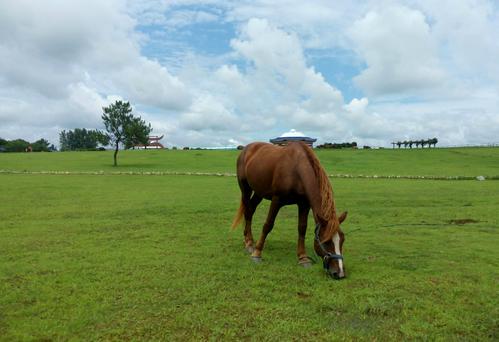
x=287 y=175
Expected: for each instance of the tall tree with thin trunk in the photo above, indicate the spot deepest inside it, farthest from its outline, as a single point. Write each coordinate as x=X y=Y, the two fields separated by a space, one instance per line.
x=123 y=128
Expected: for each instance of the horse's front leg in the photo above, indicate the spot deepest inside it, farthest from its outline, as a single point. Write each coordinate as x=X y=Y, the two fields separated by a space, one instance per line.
x=303 y=259
x=267 y=227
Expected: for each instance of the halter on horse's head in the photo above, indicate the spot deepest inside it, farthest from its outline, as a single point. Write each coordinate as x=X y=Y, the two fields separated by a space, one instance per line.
x=331 y=249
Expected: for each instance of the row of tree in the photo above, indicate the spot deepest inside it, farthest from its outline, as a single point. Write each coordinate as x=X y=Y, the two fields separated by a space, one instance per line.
x=21 y=145
x=417 y=143
x=338 y=145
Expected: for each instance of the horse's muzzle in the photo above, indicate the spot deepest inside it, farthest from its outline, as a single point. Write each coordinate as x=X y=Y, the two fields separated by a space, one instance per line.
x=336 y=275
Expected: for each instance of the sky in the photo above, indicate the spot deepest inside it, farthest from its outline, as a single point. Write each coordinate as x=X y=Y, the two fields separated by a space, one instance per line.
x=222 y=73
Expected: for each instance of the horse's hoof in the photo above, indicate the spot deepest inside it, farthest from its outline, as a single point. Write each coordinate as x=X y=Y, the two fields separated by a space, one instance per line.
x=305 y=262
x=256 y=259
x=250 y=249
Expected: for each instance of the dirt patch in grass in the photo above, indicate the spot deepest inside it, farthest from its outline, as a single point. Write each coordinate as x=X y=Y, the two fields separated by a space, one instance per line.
x=463 y=221
x=303 y=295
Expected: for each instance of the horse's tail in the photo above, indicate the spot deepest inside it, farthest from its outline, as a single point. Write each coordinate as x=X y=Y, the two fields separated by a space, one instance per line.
x=244 y=190
x=239 y=215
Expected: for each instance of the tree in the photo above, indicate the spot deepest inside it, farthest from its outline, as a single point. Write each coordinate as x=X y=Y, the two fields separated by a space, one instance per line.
x=41 y=145
x=82 y=139
x=137 y=132
x=123 y=128
x=434 y=141
x=411 y=143
x=17 y=145
x=398 y=144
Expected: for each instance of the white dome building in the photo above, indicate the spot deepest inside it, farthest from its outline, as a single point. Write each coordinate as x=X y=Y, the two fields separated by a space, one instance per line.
x=292 y=135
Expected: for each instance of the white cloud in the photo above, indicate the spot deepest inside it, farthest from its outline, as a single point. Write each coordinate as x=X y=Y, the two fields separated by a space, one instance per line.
x=356 y=108
x=188 y=17
x=207 y=113
x=293 y=92
x=467 y=33
x=231 y=80
x=61 y=62
x=399 y=50
x=147 y=81
x=318 y=23
x=424 y=68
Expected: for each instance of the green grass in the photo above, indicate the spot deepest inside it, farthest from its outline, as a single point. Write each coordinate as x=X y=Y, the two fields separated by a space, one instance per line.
x=423 y=162
x=90 y=257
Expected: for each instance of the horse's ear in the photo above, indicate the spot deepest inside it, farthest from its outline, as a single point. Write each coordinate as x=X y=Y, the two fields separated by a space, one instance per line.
x=343 y=216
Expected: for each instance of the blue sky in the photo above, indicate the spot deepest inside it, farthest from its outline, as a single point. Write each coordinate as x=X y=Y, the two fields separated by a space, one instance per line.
x=222 y=73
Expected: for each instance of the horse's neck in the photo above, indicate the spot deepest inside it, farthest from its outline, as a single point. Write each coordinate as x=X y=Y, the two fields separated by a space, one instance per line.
x=321 y=215
x=318 y=188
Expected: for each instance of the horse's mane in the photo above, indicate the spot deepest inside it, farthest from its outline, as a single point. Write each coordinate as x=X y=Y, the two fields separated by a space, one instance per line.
x=328 y=206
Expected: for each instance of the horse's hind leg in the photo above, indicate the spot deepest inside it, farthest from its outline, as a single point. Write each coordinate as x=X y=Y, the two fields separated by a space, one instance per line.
x=303 y=258
x=250 y=203
x=248 y=217
x=267 y=227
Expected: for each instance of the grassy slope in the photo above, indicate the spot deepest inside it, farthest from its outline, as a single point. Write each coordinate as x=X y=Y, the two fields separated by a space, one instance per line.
x=434 y=162
x=138 y=257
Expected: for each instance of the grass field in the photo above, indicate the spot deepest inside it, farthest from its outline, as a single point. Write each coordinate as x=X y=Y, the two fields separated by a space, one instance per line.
x=120 y=257
x=423 y=162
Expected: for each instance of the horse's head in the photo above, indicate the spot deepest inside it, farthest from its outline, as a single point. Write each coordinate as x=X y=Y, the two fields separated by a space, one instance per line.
x=328 y=245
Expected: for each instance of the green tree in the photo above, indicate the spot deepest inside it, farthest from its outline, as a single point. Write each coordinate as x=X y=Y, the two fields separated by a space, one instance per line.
x=41 y=145
x=82 y=139
x=18 y=145
x=434 y=141
x=3 y=145
x=123 y=128
x=137 y=133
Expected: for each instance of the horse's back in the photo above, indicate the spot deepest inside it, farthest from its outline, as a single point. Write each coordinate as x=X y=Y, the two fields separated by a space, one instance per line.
x=272 y=170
